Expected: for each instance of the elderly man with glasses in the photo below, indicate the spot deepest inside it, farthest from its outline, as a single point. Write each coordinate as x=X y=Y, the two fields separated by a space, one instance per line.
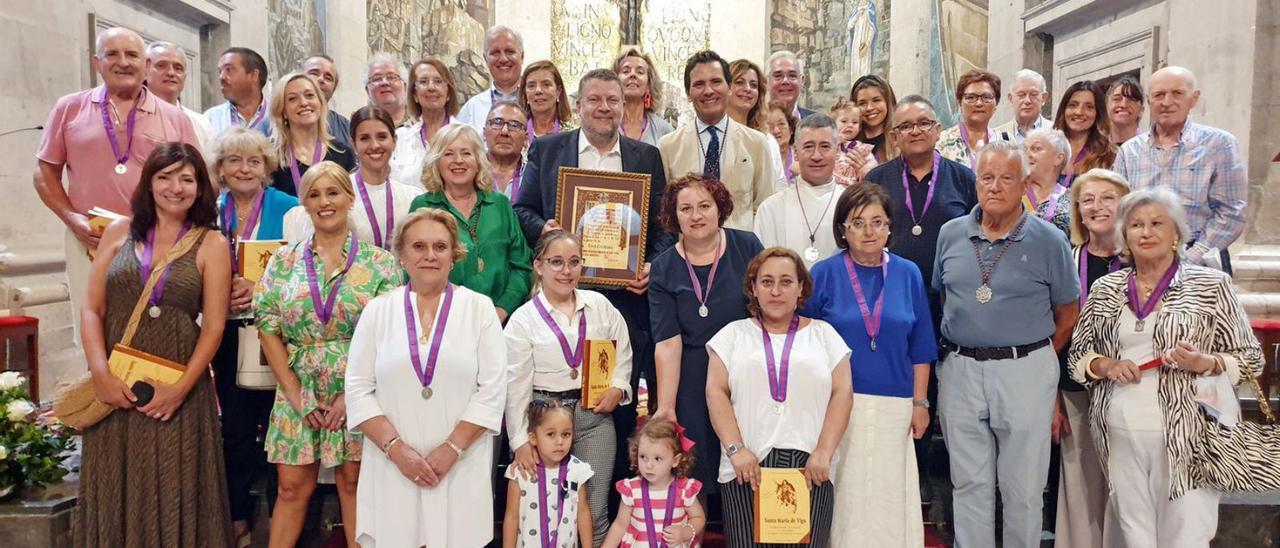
x=505 y=138
x=385 y=80
x=1027 y=98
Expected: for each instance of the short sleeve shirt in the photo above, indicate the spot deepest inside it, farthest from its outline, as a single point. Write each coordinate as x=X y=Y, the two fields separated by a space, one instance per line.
x=632 y=494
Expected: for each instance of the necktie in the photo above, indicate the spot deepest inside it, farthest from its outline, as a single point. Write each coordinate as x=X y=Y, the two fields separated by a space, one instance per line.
x=711 y=165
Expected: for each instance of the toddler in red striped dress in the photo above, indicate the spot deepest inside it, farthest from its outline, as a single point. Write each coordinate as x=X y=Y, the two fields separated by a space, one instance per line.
x=660 y=507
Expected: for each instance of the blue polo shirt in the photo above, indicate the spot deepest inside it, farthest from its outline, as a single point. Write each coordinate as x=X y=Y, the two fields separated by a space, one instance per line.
x=1035 y=275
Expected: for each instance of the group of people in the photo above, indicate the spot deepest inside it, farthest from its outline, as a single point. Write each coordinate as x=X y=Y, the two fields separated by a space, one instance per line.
x=803 y=276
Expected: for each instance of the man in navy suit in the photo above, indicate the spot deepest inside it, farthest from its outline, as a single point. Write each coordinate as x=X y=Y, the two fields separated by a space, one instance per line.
x=598 y=144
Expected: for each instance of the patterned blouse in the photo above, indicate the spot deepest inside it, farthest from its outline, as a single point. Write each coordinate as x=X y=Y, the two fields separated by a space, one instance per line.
x=952 y=146
x=317 y=352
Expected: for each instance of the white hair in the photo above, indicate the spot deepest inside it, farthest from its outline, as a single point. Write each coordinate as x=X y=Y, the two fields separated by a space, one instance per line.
x=1005 y=149
x=1056 y=139
x=1156 y=196
x=160 y=45
x=784 y=54
x=100 y=42
x=493 y=32
x=384 y=57
x=1028 y=75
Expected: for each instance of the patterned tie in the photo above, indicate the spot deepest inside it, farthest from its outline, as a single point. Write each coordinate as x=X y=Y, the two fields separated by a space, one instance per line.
x=711 y=166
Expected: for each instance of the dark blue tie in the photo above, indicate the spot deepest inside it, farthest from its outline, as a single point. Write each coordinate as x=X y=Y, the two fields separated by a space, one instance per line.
x=711 y=166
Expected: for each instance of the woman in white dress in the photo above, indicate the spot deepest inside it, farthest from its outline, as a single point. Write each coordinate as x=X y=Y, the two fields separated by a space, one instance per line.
x=380 y=200
x=426 y=385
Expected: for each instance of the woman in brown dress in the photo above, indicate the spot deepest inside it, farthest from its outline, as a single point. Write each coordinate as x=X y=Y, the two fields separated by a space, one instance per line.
x=152 y=475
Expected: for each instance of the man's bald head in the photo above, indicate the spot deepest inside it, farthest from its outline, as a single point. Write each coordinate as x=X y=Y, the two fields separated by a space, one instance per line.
x=118 y=36
x=120 y=59
x=1171 y=95
x=1182 y=73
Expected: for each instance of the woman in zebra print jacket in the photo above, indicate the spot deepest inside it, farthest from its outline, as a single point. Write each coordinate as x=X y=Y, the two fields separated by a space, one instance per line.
x=1148 y=335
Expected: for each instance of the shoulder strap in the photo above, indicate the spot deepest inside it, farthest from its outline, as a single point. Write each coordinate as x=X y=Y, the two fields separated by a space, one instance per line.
x=179 y=249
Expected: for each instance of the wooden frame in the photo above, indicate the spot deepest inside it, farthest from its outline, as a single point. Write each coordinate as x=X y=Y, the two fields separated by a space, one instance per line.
x=610 y=212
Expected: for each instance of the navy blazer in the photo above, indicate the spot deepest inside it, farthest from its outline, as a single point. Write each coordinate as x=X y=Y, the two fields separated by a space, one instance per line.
x=540 y=179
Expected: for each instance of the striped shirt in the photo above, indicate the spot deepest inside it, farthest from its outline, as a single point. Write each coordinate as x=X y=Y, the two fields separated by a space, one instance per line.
x=1205 y=168
x=632 y=497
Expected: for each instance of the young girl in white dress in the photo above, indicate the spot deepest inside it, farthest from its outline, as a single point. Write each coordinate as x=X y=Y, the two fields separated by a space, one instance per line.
x=663 y=500
x=550 y=508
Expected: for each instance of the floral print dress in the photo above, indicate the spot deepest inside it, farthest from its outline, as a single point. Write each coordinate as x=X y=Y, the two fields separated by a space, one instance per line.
x=317 y=352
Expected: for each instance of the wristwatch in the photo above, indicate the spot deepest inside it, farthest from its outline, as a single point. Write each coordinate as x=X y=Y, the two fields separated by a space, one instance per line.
x=731 y=449
x=924 y=404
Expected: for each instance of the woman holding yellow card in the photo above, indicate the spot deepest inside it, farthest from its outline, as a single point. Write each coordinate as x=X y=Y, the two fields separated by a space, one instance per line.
x=310 y=298
x=242 y=160
x=548 y=339
x=779 y=394
x=154 y=477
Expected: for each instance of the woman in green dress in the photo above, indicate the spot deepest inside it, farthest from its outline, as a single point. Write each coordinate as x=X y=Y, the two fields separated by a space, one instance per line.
x=456 y=176
x=308 y=302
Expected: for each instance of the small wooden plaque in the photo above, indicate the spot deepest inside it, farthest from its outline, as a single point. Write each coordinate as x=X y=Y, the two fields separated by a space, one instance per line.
x=598 y=363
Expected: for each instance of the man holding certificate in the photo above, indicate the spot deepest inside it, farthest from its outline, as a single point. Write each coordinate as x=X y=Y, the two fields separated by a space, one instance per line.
x=599 y=145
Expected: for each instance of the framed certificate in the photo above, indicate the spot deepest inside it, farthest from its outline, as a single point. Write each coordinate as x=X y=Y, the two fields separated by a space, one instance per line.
x=610 y=212
x=782 y=507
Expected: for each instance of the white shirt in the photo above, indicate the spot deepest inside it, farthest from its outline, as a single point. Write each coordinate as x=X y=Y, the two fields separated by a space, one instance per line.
x=401 y=197
x=1016 y=133
x=1137 y=406
x=476 y=111
x=778 y=167
x=576 y=475
x=815 y=353
x=788 y=218
x=469 y=385
x=410 y=155
x=536 y=362
x=204 y=133
x=589 y=156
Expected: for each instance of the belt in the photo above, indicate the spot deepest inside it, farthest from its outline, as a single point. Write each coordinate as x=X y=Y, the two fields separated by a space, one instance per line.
x=994 y=352
x=574 y=395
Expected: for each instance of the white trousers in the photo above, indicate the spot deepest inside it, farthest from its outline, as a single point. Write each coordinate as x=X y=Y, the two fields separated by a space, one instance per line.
x=1139 y=470
x=78 y=264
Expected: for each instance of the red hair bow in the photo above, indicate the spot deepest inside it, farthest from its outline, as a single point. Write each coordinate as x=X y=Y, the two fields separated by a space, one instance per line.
x=686 y=444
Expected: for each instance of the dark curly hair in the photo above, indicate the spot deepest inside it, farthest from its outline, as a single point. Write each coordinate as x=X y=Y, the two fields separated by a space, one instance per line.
x=204 y=210
x=662 y=430
x=538 y=410
x=753 y=269
x=667 y=213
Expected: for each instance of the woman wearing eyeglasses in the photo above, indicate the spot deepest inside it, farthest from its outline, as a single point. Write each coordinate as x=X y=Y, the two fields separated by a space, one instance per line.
x=433 y=101
x=978 y=93
x=546 y=345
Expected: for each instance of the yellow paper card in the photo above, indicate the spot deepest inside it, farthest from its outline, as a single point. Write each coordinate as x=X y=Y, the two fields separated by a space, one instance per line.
x=782 y=507
x=99 y=219
x=597 y=369
x=132 y=365
x=254 y=255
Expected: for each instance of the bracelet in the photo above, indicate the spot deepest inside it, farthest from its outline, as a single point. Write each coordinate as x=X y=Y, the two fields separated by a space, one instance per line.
x=386 y=447
x=693 y=531
x=453 y=446
x=1219 y=365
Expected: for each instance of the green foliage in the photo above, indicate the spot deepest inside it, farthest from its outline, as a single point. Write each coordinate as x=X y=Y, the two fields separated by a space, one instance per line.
x=31 y=448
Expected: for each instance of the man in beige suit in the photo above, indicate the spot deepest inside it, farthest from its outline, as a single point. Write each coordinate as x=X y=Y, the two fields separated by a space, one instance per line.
x=718 y=146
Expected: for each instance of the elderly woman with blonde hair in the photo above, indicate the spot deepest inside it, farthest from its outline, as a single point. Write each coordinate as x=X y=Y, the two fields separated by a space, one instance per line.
x=308 y=302
x=458 y=181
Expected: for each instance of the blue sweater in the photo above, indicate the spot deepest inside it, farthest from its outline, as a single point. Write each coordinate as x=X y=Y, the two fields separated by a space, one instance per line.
x=271 y=221
x=906 y=331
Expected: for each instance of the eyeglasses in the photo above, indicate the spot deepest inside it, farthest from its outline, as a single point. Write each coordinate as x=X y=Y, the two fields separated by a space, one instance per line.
x=428 y=82
x=1023 y=95
x=558 y=263
x=859 y=224
x=911 y=127
x=389 y=79
x=497 y=124
x=975 y=98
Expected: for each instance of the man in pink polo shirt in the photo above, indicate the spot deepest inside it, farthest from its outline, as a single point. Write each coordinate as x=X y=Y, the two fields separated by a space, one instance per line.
x=102 y=137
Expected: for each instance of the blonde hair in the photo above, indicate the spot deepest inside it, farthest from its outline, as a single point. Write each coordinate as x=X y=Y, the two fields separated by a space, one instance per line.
x=280 y=126
x=246 y=142
x=429 y=214
x=655 y=79
x=330 y=170
x=431 y=179
x=1079 y=234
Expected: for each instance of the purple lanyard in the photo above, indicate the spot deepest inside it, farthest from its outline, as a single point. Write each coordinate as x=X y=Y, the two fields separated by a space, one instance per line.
x=548 y=540
x=653 y=536
x=422 y=131
x=293 y=164
x=973 y=154
x=777 y=369
x=1144 y=310
x=790 y=159
x=120 y=157
x=257 y=116
x=368 y=209
x=229 y=224
x=148 y=253
x=572 y=357
x=515 y=181
x=644 y=126
x=325 y=312
x=528 y=129
x=711 y=277
x=928 y=198
x=1071 y=176
x=1055 y=198
x=870 y=318
x=427 y=373
x=1113 y=266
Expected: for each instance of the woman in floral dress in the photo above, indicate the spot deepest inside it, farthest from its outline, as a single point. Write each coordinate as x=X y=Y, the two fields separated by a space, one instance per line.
x=308 y=303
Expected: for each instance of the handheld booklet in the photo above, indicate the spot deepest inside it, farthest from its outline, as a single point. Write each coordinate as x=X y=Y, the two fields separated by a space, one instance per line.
x=253 y=256
x=131 y=365
x=99 y=219
x=782 y=507
x=597 y=370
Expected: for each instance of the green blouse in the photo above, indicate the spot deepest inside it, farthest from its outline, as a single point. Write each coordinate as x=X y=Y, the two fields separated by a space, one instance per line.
x=498 y=260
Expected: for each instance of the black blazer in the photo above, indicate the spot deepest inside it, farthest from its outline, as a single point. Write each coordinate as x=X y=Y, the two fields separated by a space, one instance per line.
x=537 y=200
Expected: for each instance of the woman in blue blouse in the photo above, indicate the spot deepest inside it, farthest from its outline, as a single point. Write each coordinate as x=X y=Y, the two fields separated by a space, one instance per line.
x=695 y=289
x=876 y=301
x=242 y=160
